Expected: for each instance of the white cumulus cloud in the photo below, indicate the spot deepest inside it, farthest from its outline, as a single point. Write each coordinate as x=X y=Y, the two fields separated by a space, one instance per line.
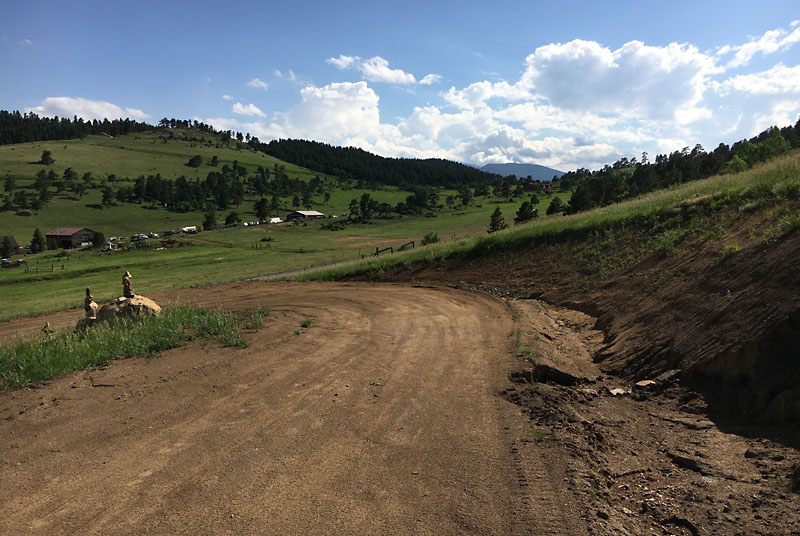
x=249 y=109
x=478 y=94
x=227 y=97
x=375 y=69
x=772 y=41
x=342 y=62
x=431 y=78
x=575 y=104
x=257 y=83
x=776 y=80
x=85 y=108
x=635 y=79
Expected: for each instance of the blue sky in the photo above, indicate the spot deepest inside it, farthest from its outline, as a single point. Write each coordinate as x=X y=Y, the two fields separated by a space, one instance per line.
x=564 y=84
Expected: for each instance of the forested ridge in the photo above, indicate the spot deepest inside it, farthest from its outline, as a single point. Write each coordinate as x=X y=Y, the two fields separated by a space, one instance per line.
x=615 y=182
x=628 y=178
x=374 y=170
x=19 y=128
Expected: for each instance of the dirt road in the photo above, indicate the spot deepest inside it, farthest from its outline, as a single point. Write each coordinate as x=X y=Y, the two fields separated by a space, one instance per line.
x=381 y=418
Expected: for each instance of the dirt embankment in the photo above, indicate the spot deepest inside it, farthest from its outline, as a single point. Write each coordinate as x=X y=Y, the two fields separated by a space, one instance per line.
x=644 y=458
x=729 y=322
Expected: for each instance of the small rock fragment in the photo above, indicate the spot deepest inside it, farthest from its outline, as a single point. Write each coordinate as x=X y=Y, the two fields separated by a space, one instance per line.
x=755 y=453
x=644 y=383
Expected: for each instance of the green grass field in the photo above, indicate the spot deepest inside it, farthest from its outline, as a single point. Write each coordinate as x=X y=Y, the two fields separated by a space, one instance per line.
x=57 y=282
x=225 y=255
x=136 y=154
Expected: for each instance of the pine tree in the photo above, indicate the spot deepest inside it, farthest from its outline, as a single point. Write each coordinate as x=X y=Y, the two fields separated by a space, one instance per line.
x=232 y=218
x=6 y=250
x=556 y=206
x=108 y=196
x=526 y=212
x=210 y=221
x=261 y=209
x=497 y=222
x=38 y=243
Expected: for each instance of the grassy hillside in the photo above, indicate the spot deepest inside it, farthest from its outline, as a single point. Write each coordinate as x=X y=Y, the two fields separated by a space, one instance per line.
x=56 y=280
x=136 y=154
x=761 y=186
x=126 y=157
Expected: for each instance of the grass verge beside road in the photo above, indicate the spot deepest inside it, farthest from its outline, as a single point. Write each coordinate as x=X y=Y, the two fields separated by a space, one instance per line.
x=51 y=355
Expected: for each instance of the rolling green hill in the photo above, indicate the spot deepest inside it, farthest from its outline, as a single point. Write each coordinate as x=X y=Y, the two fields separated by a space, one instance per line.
x=126 y=157
x=164 y=152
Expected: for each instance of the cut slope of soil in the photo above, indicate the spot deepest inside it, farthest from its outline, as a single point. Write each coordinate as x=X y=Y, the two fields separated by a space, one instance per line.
x=729 y=322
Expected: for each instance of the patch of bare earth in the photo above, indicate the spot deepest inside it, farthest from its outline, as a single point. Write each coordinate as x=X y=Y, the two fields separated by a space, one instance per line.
x=645 y=460
x=712 y=446
x=383 y=417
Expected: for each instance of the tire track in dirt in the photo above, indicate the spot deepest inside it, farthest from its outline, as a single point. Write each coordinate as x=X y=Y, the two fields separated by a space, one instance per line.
x=381 y=418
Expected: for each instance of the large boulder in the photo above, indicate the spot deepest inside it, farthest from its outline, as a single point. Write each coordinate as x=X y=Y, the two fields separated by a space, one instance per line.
x=128 y=308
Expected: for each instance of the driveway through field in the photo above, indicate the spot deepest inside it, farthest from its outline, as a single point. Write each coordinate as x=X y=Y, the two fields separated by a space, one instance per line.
x=383 y=417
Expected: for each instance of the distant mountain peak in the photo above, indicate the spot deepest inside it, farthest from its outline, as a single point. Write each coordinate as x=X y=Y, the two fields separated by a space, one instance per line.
x=536 y=171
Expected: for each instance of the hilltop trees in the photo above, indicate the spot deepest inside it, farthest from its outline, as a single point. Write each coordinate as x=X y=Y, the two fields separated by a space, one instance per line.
x=628 y=178
x=18 y=128
x=370 y=169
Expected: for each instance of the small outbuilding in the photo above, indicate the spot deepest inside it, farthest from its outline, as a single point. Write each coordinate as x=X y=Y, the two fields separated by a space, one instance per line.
x=14 y=246
x=304 y=215
x=69 y=237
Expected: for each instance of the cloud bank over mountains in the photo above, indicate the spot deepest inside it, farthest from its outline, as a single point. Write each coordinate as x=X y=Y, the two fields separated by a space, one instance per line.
x=574 y=104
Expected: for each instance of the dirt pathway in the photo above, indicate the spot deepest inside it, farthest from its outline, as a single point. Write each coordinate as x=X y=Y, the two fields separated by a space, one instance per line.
x=382 y=418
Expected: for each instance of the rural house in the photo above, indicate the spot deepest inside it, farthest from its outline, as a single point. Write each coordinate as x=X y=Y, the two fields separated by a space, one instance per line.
x=69 y=237
x=14 y=246
x=304 y=215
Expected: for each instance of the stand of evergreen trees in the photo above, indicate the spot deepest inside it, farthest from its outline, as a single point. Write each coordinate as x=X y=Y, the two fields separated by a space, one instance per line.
x=21 y=128
x=629 y=178
x=18 y=128
x=372 y=170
